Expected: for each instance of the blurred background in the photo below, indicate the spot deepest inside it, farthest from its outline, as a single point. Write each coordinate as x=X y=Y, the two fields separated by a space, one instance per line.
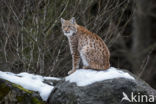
x=31 y=38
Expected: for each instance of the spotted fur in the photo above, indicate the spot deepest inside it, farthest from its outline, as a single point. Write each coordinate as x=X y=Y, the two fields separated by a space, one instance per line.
x=85 y=45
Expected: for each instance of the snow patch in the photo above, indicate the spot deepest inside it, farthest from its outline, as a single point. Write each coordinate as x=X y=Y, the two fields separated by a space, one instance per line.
x=83 y=77
x=30 y=82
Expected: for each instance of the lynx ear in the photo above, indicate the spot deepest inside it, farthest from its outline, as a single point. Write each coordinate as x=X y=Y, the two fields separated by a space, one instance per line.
x=62 y=20
x=72 y=20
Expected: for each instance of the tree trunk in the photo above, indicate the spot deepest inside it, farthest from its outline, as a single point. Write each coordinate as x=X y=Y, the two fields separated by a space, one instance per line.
x=144 y=46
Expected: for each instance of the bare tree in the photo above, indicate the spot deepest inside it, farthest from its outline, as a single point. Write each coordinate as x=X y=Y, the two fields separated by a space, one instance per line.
x=32 y=40
x=144 y=45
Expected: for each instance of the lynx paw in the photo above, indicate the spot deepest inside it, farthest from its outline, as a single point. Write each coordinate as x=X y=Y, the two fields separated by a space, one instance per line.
x=71 y=71
x=86 y=67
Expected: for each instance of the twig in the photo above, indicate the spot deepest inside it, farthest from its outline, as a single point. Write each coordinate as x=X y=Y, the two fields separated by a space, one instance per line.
x=144 y=64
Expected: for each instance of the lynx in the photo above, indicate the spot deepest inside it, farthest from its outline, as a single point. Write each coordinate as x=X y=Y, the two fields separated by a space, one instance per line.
x=85 y=45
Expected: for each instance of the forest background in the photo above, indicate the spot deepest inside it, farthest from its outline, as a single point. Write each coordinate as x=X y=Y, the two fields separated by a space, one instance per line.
x=31 y=38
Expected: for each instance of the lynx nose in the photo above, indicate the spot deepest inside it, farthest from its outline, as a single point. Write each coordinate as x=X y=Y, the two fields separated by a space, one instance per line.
x=66 y=31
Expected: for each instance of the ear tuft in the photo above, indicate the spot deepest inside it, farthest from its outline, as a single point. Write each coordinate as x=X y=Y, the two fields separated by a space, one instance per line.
x=72 y=20
x=62 y=20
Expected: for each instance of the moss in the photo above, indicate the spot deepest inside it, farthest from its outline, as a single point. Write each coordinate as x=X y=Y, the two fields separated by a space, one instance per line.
x=4 y=90
x=21 y=88
x=18 y=94
x=34 y=100
x=37 y=101
x=19 y=98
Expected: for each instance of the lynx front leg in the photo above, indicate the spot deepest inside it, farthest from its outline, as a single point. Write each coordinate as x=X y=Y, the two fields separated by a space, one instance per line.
x=75 y=62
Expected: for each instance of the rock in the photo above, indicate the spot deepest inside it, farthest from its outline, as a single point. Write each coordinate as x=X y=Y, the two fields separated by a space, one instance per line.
x=51 y=82
x=109 y=91
x=14 y=94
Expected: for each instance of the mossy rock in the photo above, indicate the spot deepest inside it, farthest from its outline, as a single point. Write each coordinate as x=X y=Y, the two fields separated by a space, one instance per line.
x=11 y=93
x=4 y=90
x=21 y=88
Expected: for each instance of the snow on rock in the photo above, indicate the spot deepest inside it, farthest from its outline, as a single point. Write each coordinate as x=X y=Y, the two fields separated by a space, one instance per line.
x=30 y=82
x=83 y=77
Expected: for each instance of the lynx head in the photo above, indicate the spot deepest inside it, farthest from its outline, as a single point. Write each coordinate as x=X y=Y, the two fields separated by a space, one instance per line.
x=69 y=26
